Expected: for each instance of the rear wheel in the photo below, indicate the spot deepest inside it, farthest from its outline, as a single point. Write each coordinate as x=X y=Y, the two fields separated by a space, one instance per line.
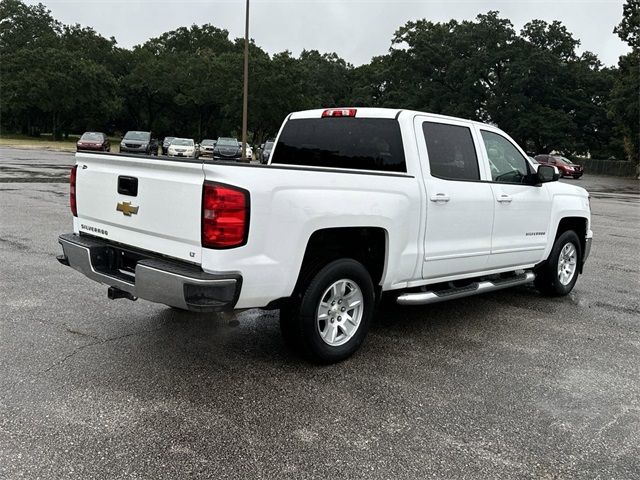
x=558 y=275
x=328 y=319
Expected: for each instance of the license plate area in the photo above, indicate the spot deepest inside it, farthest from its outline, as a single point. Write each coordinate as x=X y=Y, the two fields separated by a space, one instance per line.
x=116 y=262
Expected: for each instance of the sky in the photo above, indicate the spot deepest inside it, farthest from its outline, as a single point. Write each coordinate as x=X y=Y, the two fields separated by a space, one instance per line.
x=356 y=30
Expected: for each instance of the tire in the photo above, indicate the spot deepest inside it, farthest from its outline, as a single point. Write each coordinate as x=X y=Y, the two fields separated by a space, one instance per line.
x=336 y=335
x=549 y=280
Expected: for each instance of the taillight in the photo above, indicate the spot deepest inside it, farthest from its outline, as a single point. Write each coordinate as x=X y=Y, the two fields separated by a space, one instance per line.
x=339 y=112
x=225 y=216
x=72 y=191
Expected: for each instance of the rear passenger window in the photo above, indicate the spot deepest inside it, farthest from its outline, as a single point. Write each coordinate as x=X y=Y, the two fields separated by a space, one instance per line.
x=344 y=142
x=452 y=155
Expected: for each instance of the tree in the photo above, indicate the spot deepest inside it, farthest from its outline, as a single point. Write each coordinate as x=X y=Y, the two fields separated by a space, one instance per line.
x=629 y=27
x=624 y=104
x=187 y=81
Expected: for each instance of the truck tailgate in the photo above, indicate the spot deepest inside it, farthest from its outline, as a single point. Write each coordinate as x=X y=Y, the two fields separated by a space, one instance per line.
x=151 y=204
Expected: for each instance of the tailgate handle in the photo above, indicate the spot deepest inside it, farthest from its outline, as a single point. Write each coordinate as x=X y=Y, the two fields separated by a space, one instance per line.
x=127 y=185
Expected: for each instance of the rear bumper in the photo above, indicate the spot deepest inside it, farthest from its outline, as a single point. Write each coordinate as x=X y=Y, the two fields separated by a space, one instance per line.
x=144 y=275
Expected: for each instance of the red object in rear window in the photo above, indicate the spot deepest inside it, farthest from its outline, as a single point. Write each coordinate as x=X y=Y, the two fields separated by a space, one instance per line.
x=339 y=112
x=225 y=216
x=72 y=191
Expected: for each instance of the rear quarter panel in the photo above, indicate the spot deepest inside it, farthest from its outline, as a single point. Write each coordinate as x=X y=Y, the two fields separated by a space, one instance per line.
x=289 y=204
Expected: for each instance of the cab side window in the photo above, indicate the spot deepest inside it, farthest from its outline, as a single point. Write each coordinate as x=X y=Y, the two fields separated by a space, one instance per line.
x=452 y=154
x=508 y=165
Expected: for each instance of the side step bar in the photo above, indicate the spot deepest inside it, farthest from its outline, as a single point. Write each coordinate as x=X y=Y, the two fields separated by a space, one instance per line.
x=423 y=298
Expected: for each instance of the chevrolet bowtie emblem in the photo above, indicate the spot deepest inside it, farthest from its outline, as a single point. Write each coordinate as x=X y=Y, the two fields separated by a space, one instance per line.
x=127 y=209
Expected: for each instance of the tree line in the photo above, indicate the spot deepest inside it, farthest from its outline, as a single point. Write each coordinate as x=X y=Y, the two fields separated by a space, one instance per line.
x=188 y=82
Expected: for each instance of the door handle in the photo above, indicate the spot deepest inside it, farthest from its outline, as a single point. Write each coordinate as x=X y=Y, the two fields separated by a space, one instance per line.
x=440 y=197
x=504 y=198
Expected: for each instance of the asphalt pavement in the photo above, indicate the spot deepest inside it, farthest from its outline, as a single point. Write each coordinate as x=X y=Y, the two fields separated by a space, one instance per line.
x=503 y=385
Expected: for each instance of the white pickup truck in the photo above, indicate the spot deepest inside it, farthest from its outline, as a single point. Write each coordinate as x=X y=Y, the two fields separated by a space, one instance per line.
x=353 y=203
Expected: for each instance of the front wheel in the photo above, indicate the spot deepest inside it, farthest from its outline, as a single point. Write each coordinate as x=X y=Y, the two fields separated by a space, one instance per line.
x=558 y=275
x=328 y=319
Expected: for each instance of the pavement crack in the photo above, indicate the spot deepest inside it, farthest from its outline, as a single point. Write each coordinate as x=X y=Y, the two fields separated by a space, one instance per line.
x=91 y=344
x=67 y=357
x=82 y=334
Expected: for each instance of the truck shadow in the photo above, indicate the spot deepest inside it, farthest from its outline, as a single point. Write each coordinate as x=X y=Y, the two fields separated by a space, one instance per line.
x=254 y=335
x=188 y=356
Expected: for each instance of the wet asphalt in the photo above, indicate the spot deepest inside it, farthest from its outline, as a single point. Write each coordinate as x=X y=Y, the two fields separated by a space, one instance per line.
x=505 y=385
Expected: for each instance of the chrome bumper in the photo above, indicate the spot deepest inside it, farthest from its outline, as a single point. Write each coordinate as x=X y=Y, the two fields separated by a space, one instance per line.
x=141 y=275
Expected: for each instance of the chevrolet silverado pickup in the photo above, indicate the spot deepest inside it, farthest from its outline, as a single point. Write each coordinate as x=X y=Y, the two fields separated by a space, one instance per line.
x=353 y=203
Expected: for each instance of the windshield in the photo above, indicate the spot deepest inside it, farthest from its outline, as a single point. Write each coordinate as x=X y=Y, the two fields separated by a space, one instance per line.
x=144 y=136
x=183 y=142
x=533 y=160
x=227 y=142
x=168 y=139
x=207 y=143
x=91 y=136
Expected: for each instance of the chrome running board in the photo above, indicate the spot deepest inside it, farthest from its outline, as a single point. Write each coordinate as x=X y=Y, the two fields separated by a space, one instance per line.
x=423 y=298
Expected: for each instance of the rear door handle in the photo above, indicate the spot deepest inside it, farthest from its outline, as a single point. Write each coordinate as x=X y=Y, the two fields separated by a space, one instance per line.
x=440 y=197
x=504 y=198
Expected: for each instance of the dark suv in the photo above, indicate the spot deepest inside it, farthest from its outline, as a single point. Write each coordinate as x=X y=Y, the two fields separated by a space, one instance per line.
x=139 y=142
x=227 y=148
x=265 y=151
x=565 y=166
x=165 y=144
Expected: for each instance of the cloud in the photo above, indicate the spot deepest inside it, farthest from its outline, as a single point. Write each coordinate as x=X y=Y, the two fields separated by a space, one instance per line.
x=356 y=30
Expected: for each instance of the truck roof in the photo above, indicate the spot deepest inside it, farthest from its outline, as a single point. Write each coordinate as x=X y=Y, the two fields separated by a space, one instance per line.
x=371 y=112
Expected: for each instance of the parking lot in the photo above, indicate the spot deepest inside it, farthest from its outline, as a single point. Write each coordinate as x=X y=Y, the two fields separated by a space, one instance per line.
x=505 y=385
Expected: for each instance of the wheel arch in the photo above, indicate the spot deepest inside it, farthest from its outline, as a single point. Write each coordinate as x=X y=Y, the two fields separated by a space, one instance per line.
x=575 y=223
x=367 y=244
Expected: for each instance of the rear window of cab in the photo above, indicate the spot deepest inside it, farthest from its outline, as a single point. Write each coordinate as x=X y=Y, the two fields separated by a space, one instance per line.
x=342 y=142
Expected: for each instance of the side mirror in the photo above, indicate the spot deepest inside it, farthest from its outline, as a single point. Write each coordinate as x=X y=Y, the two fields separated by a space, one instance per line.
x=547 y=173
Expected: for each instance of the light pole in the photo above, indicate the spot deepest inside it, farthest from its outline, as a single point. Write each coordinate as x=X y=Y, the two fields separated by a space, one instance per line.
x=245 y=95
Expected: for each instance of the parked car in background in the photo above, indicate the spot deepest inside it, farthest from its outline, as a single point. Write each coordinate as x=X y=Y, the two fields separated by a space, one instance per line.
x=182 y=147
x=227 y=149
x=565 y=166
x=165 y=144
x=265 y=151
x=94 y=141
x=139 y=142
x=206 y=147
x=249 y=151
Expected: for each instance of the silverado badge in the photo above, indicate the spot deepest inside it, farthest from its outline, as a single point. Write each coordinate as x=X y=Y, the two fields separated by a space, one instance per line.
x=127 y=209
